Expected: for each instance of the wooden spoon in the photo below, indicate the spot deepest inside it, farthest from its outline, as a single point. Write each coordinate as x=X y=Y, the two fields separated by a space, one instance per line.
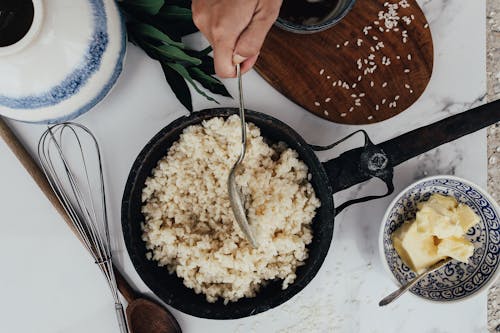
x=143 y=315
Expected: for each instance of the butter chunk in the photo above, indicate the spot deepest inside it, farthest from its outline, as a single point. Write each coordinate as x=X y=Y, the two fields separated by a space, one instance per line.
x=417 y=250
x=460 y=249
x=466 y=217
x=438 y=222
x=441 y=203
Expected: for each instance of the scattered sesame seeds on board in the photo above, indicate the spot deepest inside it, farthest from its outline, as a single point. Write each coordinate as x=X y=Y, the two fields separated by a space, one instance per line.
x=373 y=56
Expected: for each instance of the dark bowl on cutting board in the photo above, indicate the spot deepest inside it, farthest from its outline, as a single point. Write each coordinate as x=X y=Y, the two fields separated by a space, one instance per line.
x=306 y=17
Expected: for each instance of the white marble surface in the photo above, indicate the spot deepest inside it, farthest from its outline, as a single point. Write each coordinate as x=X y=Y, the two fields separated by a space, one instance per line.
x=50 y=285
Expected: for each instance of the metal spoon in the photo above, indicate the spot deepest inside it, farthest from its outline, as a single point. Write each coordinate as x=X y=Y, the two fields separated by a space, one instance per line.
x=235 y=195
x=391 y=297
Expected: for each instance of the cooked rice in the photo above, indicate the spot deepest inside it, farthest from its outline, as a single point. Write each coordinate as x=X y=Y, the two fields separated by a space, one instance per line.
x=189 y=226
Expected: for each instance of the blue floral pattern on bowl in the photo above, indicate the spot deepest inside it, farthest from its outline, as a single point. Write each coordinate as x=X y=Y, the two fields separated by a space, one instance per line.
x=456 y=280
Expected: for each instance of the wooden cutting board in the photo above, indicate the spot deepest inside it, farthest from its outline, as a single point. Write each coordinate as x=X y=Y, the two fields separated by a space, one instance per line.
x=371 y=66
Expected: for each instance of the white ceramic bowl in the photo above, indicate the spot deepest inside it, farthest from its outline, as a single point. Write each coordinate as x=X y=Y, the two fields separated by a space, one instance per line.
x=67 y=62
x=456 y=280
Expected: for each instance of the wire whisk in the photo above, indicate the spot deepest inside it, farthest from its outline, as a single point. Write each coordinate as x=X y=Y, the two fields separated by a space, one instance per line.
x=71 y=160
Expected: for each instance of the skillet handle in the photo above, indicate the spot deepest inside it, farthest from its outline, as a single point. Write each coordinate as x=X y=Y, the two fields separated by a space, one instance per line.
x=357 y=166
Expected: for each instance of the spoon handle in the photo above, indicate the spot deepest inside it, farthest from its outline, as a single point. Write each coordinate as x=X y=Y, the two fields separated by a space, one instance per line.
x=404 y=288
x=394 y=295
x=242 y=115
x=120 y=316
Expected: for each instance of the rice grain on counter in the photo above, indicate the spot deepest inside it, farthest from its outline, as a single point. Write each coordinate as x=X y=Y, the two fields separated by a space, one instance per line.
x=189 y=226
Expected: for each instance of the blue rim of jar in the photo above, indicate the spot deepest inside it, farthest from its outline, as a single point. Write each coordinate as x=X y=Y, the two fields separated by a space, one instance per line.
x=309 y=29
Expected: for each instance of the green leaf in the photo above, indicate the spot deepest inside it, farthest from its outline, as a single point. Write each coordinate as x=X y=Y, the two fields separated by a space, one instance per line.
x=151 y=7
x=179 y=87
x=174 y=53
x=185 y=74
x=207 y=62
x=149 y=31
x=209 y=82
x=175 y=13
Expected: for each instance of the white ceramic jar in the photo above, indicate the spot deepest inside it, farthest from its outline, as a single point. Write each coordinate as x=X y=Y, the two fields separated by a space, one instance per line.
x=69 y=59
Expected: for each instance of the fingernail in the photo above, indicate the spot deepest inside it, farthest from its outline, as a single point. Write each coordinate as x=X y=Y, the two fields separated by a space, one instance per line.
x=237 y=59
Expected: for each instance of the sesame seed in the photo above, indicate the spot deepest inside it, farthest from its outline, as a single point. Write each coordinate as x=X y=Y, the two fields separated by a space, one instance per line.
x=407 y=86
x=370 y=117
x=334 y=83
x=372 y=83
x=409 y=56
x=343 y=114
x=371 y=56
x=396 y=29
x=372 y=48
x=377 y=107
x=325 y=112
x=317 y=103
x=426 y=25
x=354 y=85
x=376 y=22
x=362 y=95
x=351 y=108
x=359 y=42
x=396 y=98
x=329 y=99
x=359 y=78
x=407 y=70
x=321 y=72
x=384 y=84
x=354 y=95
x=374 y=37
x=383 y=101
x=338 y=46
x=346 y=43
x=411 y=91
x=339 y=82
x=398 y=57
x=328 y=77
x=381 y=29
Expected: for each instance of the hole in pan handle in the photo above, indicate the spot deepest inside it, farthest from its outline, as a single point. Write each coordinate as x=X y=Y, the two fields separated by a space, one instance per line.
x=357 y=166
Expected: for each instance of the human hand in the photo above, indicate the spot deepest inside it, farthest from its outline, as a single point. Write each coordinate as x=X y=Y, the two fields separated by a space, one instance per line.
x=236 y=29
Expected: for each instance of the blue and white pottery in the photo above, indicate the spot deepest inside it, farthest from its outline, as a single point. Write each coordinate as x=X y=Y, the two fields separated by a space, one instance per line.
x=456 y=280
x=65 y=64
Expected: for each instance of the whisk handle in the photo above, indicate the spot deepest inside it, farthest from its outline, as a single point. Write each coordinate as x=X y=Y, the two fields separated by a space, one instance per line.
x=122 y=319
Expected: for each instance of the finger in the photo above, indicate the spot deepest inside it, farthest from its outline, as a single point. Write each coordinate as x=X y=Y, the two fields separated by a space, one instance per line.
x=248 y=64
x=251 y=39
x=223 y=59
